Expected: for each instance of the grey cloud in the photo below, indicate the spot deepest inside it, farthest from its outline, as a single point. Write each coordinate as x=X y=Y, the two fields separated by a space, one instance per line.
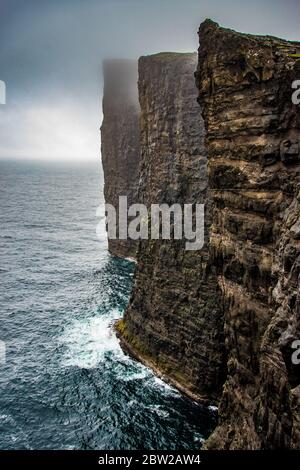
x=51 y=50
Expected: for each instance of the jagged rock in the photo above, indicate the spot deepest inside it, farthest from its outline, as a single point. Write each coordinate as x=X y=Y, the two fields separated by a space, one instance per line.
x=245 y=91
x=174 y=321
x=120 y=141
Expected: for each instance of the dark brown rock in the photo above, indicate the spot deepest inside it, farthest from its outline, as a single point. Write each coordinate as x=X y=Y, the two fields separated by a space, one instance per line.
x=253 y=136
x=120 y=140
x=174 y=321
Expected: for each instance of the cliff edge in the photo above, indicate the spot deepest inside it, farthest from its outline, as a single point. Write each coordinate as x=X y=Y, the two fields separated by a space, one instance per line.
x=174 y=321
x=253 y=144
x=120 y=141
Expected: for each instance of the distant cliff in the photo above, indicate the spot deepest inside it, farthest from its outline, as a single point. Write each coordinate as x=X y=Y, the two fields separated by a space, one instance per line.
x=253 y=144
x=120 y=140
x=174 y=320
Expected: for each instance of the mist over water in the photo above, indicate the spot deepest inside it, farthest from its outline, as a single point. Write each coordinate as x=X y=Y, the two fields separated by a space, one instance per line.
x=66 y=383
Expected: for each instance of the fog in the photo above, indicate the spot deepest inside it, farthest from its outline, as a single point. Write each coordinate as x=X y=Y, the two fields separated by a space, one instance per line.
x=51 y=53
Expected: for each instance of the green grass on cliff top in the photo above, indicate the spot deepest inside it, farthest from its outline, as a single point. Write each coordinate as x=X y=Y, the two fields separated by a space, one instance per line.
x=169 y=55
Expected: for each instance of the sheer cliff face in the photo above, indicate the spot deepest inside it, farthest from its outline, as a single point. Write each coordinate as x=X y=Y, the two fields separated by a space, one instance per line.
x=253 y=143
x=174 y=320
x=120 y=140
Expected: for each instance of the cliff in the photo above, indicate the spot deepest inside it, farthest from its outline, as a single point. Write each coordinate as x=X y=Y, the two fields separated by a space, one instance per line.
x=253 y=141
x=174 y=322
x=120 y=140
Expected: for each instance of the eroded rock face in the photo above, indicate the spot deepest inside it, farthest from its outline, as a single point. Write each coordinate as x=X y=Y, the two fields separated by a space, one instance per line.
x=120 y=141
x=174 y=320
x=253 y=143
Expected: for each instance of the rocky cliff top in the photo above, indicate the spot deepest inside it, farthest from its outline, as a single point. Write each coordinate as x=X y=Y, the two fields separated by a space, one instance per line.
x=168 y=56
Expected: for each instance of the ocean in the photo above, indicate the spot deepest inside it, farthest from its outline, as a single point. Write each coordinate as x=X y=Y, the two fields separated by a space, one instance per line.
x=65 y=383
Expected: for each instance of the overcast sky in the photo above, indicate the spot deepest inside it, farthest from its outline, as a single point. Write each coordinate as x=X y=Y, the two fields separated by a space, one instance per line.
x=51 y=53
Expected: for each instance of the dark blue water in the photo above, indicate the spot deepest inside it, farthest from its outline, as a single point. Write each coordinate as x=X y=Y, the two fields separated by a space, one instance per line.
x=66 y=384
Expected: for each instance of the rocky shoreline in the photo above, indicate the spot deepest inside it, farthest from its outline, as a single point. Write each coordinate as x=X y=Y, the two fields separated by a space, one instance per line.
x=146 y=361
